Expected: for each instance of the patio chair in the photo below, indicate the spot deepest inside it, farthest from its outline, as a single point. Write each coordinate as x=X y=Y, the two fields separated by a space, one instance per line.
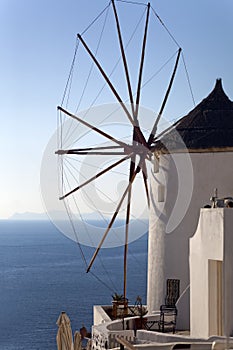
x=167 y=322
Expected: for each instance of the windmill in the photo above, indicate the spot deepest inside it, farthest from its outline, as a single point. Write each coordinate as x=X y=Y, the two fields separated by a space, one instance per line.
x=138 y=151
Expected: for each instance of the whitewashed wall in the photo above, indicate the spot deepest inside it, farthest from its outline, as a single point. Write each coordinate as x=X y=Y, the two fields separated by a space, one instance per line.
x=188 y=181
x=212 y=243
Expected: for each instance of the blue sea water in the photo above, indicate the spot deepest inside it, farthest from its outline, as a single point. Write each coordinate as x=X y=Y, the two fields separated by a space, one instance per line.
x=43 y=273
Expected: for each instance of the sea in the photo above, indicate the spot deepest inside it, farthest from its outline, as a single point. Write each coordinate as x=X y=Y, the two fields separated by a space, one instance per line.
x=43 y=273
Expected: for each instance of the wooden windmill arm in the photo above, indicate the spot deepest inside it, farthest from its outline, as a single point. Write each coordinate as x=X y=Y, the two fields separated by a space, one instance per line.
x=154 y=129
x=142 y=62
x=107 y=80
x=96 y=176
x=94 y=128
x=115 y=214
x=124 y=58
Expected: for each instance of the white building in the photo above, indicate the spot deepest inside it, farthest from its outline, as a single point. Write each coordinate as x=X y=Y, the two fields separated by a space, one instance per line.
x=189 y=169
x=211 y=274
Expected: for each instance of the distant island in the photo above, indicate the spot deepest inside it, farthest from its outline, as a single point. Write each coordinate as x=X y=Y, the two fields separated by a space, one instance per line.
x=53 y=215
x=29 y=216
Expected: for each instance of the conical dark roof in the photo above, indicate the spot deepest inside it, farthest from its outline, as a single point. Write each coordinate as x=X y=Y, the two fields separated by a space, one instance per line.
x=209 y=126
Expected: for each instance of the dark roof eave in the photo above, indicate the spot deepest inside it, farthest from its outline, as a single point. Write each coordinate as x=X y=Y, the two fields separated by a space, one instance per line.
x=163 y=150
x=208 y=126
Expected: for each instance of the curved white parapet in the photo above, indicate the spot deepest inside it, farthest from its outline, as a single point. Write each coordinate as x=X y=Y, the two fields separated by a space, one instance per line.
x=211 y=276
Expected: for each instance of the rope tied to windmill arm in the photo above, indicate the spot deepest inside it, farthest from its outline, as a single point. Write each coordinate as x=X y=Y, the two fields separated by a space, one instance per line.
x=154 y=129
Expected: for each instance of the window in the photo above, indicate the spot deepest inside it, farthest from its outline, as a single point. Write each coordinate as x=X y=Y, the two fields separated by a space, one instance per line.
x=161 y=193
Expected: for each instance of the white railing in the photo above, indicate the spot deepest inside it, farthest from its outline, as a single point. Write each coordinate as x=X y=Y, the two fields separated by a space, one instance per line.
x=103 y=339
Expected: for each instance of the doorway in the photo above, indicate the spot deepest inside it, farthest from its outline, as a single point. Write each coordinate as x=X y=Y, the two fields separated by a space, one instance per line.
x=215 y=268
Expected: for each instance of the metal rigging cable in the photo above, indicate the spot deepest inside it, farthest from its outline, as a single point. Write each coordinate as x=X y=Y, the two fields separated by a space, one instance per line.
x=163 y=24
x=96 y=18
x=132 y=2
x=188 y=79
x=70 y=73
x=92 y=65
x=69 y=213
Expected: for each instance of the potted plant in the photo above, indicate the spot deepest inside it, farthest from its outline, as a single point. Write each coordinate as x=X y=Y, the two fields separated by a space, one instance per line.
x=119 y=304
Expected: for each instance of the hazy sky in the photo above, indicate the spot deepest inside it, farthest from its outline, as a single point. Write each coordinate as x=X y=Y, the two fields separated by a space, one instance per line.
x=37 y=45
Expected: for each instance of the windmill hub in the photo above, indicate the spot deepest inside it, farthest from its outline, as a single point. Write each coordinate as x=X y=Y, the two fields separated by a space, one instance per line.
x=140 y=149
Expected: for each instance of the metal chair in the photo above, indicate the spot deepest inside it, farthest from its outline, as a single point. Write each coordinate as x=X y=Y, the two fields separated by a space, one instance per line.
x=167 y=322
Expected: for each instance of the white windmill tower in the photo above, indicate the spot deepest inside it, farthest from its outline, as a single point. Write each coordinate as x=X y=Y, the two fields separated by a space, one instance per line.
x=185 y=178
